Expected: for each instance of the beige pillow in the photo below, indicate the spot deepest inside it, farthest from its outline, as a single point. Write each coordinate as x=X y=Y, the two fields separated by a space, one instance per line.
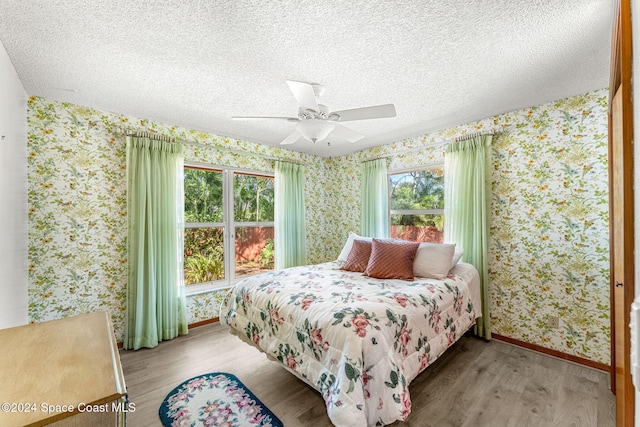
x=391 y=259
x=457 y=256
x=433 y=260
x=358 y=258
x=349 y=244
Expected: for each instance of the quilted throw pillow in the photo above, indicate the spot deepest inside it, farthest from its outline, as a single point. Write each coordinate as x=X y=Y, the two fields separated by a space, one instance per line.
x=358 y=258
x=391 y=259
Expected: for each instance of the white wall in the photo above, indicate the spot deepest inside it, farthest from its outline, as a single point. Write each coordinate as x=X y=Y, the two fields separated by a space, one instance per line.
x=13 y=196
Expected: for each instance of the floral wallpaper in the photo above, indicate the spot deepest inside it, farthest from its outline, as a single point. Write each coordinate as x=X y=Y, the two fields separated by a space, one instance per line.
x=77 y=206
x=549 y=224
x=548 y=247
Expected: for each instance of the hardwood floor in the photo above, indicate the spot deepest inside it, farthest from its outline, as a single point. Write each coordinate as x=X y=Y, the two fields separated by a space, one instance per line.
x=475 y=383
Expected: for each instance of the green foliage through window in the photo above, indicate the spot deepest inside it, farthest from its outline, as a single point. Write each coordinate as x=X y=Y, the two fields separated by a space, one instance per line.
x=253 y=198
x=252 y=201
x=202 y=195
x=417 y=191
x=267 y=255
x=203 y=255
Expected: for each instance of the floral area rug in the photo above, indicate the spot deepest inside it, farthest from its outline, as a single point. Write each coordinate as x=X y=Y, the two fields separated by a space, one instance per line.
x=216 y=399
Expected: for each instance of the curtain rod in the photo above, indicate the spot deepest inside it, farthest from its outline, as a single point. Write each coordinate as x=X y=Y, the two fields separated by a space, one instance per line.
x=436 y=144
x=407 y=151
x=172 y=139
x=474 y=135
x=154 y=136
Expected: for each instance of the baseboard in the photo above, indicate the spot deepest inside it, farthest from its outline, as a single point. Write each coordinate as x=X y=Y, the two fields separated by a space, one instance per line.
x=204 y=322
x=190 y=326
x=554 y=353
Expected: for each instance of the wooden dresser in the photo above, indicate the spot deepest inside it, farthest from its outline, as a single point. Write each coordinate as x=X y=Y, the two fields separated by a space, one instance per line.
x=63 y=372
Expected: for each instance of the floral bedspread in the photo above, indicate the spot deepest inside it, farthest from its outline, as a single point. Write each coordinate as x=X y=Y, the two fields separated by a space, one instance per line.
x=360 y=341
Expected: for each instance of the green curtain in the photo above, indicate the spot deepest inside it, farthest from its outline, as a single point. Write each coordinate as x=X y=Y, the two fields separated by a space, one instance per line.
x=290 y=239
x=156 y=306
x=374 y=220
x=467 y=168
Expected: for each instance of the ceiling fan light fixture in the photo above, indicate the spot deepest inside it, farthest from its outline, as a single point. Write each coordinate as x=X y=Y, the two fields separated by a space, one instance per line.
x=315 y=130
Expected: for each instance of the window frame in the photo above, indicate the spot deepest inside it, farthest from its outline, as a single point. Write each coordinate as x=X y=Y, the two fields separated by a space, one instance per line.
x=228 y=225
x=421 y=168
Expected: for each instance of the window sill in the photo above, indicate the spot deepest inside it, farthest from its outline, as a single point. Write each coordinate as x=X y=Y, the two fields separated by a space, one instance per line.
x=204 y=288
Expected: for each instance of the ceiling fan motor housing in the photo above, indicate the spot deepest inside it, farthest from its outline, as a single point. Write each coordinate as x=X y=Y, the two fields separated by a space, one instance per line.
x=323 y=114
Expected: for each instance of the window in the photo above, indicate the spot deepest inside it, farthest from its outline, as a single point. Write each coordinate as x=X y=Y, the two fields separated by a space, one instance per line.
x=253 y=215
x=416 y=204
x=228 y=225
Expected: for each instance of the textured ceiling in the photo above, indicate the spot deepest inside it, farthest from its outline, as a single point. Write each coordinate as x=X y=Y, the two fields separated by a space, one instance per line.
x=196 y=63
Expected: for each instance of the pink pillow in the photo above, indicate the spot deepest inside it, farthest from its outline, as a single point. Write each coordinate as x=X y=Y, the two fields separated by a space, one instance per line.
x=358 y=258
x=391 y=259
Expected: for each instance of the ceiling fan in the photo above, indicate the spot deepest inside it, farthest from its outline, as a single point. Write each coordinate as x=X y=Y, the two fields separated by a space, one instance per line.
x=315 y=121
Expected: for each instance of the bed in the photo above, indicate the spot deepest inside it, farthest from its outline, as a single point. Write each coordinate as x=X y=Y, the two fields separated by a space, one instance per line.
x=358 y=340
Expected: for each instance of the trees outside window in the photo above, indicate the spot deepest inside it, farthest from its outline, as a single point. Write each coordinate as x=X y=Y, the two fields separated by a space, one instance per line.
x=416 y=203
x=253 y=222
x=228 y=225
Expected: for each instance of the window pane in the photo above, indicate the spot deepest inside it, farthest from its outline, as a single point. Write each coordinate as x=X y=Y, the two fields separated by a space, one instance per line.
x=203 y=255
x=254 y=250
x=253 y=198
x=202 y=195
x=418 y=228
x=417 y=190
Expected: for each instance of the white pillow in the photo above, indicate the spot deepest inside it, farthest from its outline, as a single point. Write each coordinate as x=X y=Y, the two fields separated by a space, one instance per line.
x=457 y=256
x=349 y=244
x=433 y=260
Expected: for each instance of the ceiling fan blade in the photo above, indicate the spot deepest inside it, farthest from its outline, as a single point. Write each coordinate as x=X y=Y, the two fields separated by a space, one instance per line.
x=289 y=119
x=347 y=134
x=304 y=94
x=294 y=137
x=363 y=113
